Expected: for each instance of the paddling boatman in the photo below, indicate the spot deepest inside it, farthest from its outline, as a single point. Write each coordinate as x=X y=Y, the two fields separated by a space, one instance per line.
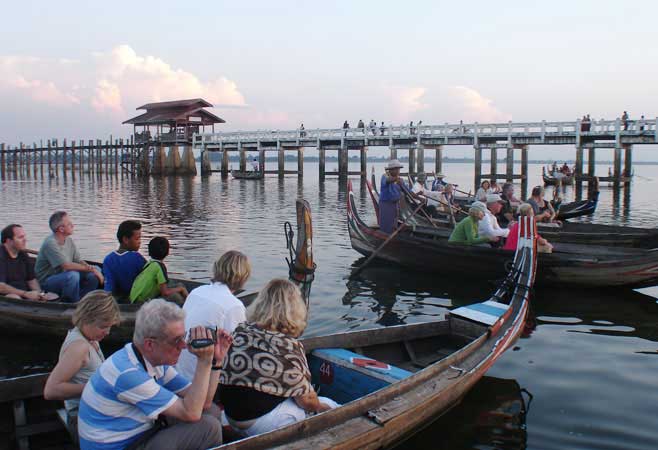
x=137 y=399
x=17 y=279
x=389 y=197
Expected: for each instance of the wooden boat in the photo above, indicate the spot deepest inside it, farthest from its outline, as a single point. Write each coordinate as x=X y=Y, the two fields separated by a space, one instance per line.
x=391 y=381
x=570 y=264
x=550 y=180
x=53 y=319
x=577 y=209
x=247 y=174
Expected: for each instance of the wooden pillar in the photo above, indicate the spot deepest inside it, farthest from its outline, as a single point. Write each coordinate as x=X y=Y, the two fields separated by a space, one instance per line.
x=73 y=158
x=628 y=161
x=524 y=171
x=281 y=159
x=64 y=158
x=34 y=161
x=108 y=154
x=99 y=160
x=159 y=161
x=17 y=157
x=261 y=159
x=394 y=152
x=478 y=166
x=224 y=167
x=617 y=165
x=343 y=162
x=591 y=168
x=579 y=162
x=412 y=161
x=322 y=157
x=300 y=162
x=50 y=162
x=364 y=161
x=420 y=163
x=243 y=157
x=90 y=150
x=21 y=163
x=509 y=165
x=145 y=163
x=206 y=168
x=438 y=159
x=28 y=166
x=494 y=163
x=116 y=156
x=3 y=160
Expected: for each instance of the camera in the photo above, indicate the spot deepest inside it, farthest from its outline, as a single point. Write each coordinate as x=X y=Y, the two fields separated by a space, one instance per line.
x=205 y=342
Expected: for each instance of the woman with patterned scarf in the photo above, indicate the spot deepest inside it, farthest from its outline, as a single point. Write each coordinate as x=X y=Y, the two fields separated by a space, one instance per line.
x=266 y=382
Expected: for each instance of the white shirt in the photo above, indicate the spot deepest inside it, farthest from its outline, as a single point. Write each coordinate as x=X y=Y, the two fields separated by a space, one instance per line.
x=420 y=189
x=211 y=305
x=488 y=226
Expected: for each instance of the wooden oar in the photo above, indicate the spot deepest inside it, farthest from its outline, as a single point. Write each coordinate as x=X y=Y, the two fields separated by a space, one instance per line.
x=388 y=239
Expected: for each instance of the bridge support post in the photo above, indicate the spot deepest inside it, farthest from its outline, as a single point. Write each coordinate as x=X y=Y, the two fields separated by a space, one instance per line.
x=364 y=161
x=412 y=161
x=224 y=168
x=206 y=168
x=173 y=161
x=524 y=171
x=188 y=163
x=281 y=159
x=322 y=157
x=343 y=162
x=261 y=159
x=394 y=152
x=145 y=163
x=300 y=162
x=591 y=161
x=420 y=164
x=579 y=163
x=159 y=161
x=617 y=165
x=628 y=161
x=509 y=165
x=493 y=164
x=478 y=166
x=438 y=159
x=2 y=161
x=243 y=157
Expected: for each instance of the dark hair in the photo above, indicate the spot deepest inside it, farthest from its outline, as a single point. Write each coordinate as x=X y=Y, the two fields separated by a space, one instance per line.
x=55 y=220
x=158 y=248
x=127 y=228
x=8 y=232
x=506 y=186
x=537 y=190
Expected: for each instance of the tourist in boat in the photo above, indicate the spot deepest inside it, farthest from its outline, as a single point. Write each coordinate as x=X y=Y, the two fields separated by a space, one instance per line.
x=483 y=190
x=265 y=379
x=137 y=399
x=215 y=305
x=525 y=210
x=389 y=196
x=506 y=214
x=153 y=280
x=431 y=198
x=438 y=184
x=466 y=231
x=81 y=354
x=121 y=267
x=543 y=209
x=447 y=197
x=495 y=188
x=489 y=226
x=59 y=266
x=17 y=278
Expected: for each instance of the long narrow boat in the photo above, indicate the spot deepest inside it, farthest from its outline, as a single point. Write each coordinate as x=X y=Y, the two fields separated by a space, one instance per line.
x=428 y=249
x=392 y=381
x=578 y=208
x=568 y=232
x=550 y=180
x=247 y=175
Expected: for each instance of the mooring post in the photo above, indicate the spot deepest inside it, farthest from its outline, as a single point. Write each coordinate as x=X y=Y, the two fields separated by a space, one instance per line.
x=478 y=165
x=628 y=162
x=281 y=159
x=300 y=162
x=524 y=171
x=364 y=161
x=420 y=163
x=322 y=157
x=438 y=159
x=509 y=165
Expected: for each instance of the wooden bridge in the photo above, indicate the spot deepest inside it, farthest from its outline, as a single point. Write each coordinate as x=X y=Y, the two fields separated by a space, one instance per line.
x=581 y=135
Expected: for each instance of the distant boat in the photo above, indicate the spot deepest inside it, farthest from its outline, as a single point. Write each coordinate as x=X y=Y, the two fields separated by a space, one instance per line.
x=247 y=175
x=552 y=180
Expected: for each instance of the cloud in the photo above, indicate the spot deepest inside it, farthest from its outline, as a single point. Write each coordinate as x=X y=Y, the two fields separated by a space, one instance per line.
x=475 y=107
x=406 y=101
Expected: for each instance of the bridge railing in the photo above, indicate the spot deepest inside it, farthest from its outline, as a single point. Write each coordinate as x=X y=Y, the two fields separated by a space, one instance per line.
x=446 y=131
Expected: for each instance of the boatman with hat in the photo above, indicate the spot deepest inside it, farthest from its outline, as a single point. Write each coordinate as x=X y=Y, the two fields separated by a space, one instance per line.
x=389 y=196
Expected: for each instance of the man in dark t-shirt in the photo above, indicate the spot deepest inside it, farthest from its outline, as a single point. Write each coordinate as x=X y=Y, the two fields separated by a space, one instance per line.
x=17 y=279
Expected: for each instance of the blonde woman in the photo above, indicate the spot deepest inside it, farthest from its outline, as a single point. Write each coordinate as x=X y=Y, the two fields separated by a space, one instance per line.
x=543 y=246
x=266 y=382
x=80 y=354
x=466 y=231
x=215 y=305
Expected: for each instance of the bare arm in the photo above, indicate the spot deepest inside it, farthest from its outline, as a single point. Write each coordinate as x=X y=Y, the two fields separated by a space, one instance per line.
x=166 y=291
x=34 y=285
x=59 y=386
x=310 y=402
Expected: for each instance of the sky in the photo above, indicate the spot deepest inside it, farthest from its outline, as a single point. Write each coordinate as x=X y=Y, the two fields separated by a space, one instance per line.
x=77 y=69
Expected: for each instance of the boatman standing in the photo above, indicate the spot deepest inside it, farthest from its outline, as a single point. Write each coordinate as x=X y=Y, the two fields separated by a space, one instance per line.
x=389 y=197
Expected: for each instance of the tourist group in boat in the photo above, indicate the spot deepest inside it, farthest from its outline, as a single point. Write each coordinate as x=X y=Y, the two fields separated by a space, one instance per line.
x=158 y=391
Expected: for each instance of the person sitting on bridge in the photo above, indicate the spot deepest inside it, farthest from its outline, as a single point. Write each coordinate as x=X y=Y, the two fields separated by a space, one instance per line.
x=254 y=164
x=60 y=268
x=17 y=278
x=153 y=280
x=122 y=266
x=466 y=231
x=489 y=226
x=389 y=197
x=542 y=209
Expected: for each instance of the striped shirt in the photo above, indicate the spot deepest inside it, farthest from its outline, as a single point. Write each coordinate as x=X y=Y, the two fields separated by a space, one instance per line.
x=123 y=399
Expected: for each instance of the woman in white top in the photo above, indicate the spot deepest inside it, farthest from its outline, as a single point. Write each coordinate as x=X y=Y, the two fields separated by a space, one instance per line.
x=215 y=305
x=481 y=194
x=80 y=354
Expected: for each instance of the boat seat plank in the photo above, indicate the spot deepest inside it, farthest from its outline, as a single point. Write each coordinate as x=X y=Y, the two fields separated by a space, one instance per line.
x=487 y=312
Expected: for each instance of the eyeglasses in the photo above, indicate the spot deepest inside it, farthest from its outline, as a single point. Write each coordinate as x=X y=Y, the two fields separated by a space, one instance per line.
x=175 y=342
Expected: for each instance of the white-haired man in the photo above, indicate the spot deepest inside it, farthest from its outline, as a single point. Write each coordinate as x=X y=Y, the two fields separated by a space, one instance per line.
x=130 y=397
x=488 y=226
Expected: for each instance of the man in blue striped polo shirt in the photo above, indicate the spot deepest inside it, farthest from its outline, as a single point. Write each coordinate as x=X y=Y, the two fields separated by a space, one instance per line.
x=126 y=401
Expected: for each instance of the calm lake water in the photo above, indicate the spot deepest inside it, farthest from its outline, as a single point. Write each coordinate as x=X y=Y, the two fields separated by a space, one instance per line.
x=587 y=365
